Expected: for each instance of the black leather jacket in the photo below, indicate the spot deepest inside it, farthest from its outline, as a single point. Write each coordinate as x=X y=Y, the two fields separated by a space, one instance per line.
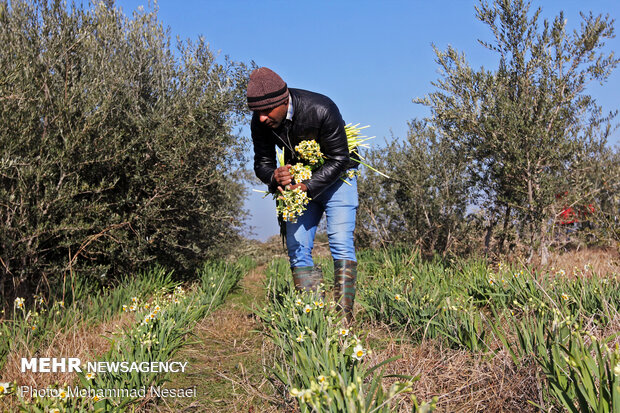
x=317 y=117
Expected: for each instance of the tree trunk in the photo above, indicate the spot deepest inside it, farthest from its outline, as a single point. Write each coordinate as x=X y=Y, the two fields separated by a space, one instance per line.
x=487 y=237
x=504 y=230
x=544 y=247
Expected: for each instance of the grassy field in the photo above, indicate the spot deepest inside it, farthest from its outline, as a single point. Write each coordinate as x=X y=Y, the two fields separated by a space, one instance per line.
x=460 y=335
x=146 y=318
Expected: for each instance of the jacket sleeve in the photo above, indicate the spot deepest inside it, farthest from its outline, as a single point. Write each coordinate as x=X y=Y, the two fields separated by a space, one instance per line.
x=333 y=141
x=264 y=156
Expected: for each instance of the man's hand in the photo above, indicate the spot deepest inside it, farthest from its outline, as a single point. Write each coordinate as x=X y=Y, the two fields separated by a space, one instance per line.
x=291 y=187
x=283 y=176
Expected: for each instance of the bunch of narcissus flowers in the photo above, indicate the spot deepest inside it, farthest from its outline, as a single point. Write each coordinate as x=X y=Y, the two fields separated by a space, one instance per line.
x=310 y=151
x=292 y=203
x=301 y=172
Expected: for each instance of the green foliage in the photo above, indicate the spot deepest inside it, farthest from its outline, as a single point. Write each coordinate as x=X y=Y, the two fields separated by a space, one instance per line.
x=36 y=320
x=424 y=201
x=528 y=125
x=539 y=319
x=320 y=361
x=600 y=202
x=506 y=141
x=165 y=315
x=428 y=299
x=582 y=372
x=115 y=150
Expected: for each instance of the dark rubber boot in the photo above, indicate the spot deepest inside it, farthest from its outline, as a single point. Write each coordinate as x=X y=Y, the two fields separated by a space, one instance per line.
x=345 y=275
x=307 y=278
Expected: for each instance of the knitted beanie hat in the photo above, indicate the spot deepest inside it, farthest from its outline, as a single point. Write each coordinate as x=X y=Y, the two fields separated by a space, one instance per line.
x=266 y=89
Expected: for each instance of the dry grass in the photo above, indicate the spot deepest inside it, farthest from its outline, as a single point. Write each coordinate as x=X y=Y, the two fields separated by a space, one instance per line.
x=583 y=262
x=81 y=341
x=226 y=358
x=600 y=261
x=262 y=252
x=462 y=381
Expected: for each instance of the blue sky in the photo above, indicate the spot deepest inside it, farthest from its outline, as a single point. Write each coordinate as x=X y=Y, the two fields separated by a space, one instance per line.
x=371 y=57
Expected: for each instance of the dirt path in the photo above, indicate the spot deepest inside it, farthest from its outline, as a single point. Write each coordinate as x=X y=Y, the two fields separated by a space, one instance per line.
x=225 y=358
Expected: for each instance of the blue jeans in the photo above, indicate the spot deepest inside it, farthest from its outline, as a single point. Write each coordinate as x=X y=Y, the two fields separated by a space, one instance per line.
x=339 y=202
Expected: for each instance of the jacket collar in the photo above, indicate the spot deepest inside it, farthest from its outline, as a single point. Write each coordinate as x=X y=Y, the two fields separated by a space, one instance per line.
x=291 y=109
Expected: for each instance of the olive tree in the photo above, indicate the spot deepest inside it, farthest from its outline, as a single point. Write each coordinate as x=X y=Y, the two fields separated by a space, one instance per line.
x=529 y=124
x=116 y=150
